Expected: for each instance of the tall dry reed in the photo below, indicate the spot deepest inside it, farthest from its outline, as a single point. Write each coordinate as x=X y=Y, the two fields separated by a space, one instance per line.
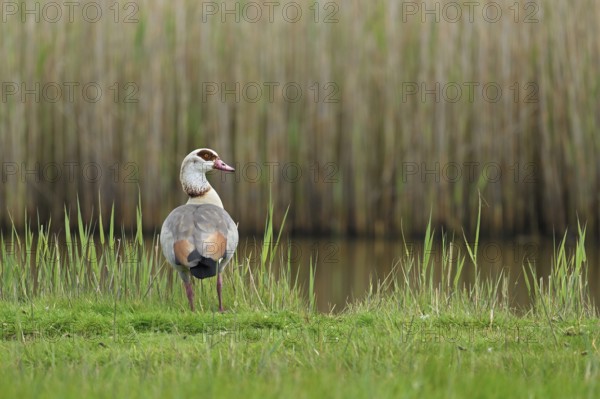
x=356 y=153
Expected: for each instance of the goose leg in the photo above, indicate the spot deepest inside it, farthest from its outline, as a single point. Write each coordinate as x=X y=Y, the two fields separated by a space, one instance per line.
x=219 y=287
x=190 y=294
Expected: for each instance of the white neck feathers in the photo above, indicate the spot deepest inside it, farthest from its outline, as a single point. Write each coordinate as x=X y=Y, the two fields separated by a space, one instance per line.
x=209 y=197
x=199 y=190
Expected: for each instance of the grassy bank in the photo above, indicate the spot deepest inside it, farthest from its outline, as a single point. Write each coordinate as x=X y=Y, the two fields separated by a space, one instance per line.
x=57 y=348
x=358 y=152
x=109 y=319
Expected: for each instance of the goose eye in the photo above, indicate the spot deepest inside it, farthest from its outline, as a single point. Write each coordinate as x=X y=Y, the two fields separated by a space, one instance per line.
x=204 y=155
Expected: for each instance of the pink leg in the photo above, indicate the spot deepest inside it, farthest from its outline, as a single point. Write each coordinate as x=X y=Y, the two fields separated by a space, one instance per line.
x=219 y=285
x=190 y=294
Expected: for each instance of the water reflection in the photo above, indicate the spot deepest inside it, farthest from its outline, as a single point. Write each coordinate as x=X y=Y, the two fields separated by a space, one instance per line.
x=345 y=268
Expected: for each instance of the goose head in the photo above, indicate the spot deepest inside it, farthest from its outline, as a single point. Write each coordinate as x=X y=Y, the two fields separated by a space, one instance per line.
x=194 y=168
x=204 y=160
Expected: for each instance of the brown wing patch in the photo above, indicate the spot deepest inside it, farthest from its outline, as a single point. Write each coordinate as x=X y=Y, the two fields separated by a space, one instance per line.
x=214 y=246
x=182 y=249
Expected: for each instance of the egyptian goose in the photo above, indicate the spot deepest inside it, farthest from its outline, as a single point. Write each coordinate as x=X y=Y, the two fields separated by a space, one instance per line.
x=199 y=238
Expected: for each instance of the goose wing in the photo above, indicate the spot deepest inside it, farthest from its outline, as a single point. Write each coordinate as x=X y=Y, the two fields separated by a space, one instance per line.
x=199 y=238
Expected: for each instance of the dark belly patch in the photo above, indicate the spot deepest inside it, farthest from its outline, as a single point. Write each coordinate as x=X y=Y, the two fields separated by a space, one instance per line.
x=207 y=267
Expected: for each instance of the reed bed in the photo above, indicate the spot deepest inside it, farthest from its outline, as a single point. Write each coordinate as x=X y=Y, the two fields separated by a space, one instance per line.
x=355 y=153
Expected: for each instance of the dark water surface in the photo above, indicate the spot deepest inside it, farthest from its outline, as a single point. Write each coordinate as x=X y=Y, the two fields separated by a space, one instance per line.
x=345 y=267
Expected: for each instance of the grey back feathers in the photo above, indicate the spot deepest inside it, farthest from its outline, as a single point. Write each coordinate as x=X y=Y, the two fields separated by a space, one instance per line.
x=198 y=239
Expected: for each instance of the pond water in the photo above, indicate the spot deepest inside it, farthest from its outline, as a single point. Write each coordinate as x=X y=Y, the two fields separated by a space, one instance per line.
x=346 y=267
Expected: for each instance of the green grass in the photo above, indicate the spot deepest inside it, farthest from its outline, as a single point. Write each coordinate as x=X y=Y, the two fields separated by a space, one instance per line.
x=58 y=348
x=111 y=320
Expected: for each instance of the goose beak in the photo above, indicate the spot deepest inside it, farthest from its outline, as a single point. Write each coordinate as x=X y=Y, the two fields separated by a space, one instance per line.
x=218 y=164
